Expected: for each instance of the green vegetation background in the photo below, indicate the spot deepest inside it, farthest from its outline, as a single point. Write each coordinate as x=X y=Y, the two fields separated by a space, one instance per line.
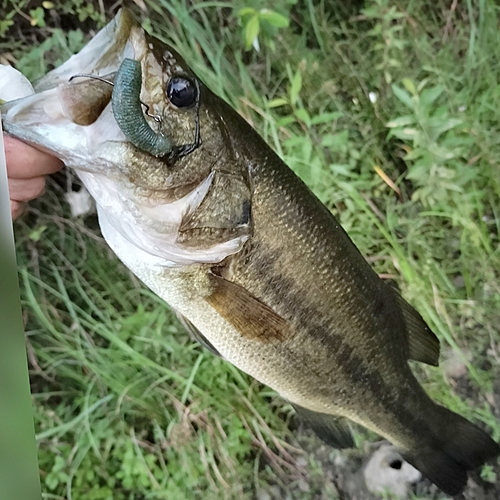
x=390 y=111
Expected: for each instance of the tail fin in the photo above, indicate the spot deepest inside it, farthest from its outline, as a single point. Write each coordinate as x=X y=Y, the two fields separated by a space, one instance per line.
x=457 y=447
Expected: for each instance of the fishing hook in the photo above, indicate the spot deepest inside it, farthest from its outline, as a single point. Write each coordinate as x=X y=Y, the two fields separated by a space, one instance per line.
x=147 y=107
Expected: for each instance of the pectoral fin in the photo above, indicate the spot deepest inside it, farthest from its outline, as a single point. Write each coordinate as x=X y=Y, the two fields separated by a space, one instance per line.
x=334 y=431
x=422 y=343
x=248 y=314
x=196 y=334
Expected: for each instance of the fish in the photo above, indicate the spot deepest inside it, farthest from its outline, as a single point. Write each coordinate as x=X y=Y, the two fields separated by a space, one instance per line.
x=260 y=272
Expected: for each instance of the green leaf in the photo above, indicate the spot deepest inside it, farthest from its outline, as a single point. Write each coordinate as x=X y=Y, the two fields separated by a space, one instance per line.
x=5 y=24
x=276 y=103
x=401 y=121
x=306 y=151
x=410 y=86
x=251 y=31
x=428 y=96
x=415 y=154
x=247 y=11
x=295 y=88
x=403 y=96
x=274 y=18
x=446 y=125
x=286 y=120
x=37 y=17
x=36 y=233
x=443 y=152
x=337 y=142
x=326 y=117
x=341 y=169
x=404 y=133
x=303 y=116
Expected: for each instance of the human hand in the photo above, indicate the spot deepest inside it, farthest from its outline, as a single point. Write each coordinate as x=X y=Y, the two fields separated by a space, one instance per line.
x=26 y=171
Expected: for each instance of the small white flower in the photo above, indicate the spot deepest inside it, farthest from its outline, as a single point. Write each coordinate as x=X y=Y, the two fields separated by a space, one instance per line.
x=462 y=108
x=373 y=97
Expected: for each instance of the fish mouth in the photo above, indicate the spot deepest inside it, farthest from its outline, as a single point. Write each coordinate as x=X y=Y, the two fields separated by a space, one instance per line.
x=42 y=119
x=136 y=219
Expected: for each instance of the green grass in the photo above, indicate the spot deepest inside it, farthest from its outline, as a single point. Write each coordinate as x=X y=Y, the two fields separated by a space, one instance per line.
x=126 y=406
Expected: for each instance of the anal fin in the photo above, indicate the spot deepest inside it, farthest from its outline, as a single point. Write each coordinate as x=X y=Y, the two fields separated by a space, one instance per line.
x=334 y=431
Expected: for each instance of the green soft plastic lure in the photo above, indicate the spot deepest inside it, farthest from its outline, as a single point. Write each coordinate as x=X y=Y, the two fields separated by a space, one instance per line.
x=127 y=110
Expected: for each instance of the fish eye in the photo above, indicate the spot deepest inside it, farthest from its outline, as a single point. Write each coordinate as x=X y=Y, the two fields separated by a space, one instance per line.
x=181 y=91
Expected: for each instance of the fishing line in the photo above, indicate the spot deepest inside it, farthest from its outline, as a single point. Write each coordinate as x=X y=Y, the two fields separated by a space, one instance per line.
x=156 y=118
x=176 y=152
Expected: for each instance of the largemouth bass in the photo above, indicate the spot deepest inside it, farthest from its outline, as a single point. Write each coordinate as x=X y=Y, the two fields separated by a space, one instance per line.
x=200 y=208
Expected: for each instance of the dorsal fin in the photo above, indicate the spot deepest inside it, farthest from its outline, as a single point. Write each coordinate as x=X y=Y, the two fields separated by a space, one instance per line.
x=423 y=344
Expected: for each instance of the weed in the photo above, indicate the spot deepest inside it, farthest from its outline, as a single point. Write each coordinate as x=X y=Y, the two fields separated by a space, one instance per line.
x=264 y=22
x=390 y=114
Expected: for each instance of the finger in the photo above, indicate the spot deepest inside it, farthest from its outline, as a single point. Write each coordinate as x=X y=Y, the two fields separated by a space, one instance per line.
x=25 y=162
x=16 y=209
x=26 y=189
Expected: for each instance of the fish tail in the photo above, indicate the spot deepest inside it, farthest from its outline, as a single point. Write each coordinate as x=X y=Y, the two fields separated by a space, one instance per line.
x=457 y=447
